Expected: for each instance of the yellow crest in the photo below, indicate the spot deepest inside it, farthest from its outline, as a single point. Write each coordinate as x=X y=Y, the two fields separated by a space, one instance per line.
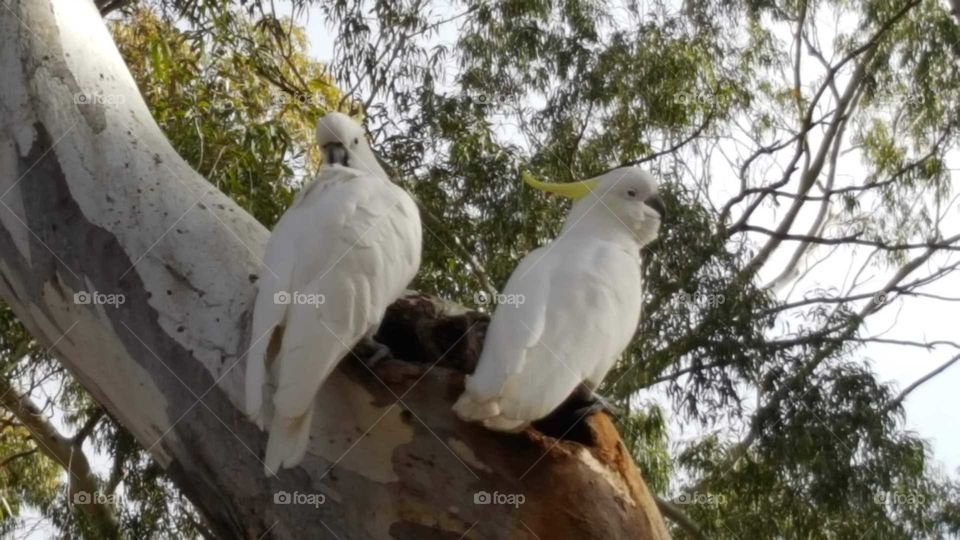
x=571 y=190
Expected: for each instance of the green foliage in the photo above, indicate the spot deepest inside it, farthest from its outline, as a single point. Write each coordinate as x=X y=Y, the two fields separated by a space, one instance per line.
x=26 y=477
x=239 y=101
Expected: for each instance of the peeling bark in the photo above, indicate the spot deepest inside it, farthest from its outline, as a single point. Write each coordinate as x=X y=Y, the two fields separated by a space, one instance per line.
x=95 y=202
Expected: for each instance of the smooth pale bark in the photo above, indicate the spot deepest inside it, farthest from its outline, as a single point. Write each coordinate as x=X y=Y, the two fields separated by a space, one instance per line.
x=95 y=200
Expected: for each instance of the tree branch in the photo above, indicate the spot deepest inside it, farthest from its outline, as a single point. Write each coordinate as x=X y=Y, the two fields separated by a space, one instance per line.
x=678 y=516
x=84 y=489
x=696 y=133
x=895 y=402
x=812 y=171
x=849 y=329
x=87 y=428
x=107 y=6
x=852 y=239
x=807 y=125
x=16 y=456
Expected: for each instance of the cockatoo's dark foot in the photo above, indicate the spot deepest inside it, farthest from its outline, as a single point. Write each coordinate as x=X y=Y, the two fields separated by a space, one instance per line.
x=371 y=352
x=594 y=402
x=568 y=421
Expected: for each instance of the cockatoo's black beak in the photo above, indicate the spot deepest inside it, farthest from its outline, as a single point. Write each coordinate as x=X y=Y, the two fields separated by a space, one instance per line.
x=336 y=154
x=656 y=203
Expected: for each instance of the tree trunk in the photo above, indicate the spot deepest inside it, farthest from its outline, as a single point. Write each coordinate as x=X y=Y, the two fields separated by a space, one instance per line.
x=141 y=276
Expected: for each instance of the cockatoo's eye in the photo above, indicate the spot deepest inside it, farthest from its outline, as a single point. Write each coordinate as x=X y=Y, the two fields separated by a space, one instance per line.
x=356 y=141
x=632 y=193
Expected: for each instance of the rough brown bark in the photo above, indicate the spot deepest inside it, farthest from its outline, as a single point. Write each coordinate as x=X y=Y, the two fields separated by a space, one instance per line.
x=95 y=200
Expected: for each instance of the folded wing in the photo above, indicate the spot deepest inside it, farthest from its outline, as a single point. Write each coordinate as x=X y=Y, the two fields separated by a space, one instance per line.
x=571 y=327
x=354 y=240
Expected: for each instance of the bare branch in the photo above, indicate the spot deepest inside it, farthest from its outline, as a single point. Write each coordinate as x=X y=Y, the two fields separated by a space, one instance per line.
x=676 y=515
x=61 y=450
x=16 y=456
x=852 y=239
x=108 y=6
x=87 y=428
x=816 y=228
x=810 y=174
x=813 y=170
x=685 y=371
x=696 y=133
x=895 y=402
x=829 y=347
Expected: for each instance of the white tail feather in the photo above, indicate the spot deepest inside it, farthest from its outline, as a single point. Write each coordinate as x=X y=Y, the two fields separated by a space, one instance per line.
x=288 y=442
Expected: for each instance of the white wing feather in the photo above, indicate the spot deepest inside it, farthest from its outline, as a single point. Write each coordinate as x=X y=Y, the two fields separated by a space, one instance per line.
x=350 y=243
x=279 y=258
x=581 y=308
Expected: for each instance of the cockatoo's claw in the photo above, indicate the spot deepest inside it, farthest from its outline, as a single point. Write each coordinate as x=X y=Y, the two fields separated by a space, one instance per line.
x=596 y=403
x=373 y=352
x=587 y=410
x=588 y=402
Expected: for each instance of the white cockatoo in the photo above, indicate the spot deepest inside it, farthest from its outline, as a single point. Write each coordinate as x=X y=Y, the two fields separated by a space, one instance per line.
x=576 y=304
x=345 y=250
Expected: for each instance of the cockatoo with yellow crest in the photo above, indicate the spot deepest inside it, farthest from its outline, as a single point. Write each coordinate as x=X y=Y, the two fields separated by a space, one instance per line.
x=579 y=302
x=345 y=250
